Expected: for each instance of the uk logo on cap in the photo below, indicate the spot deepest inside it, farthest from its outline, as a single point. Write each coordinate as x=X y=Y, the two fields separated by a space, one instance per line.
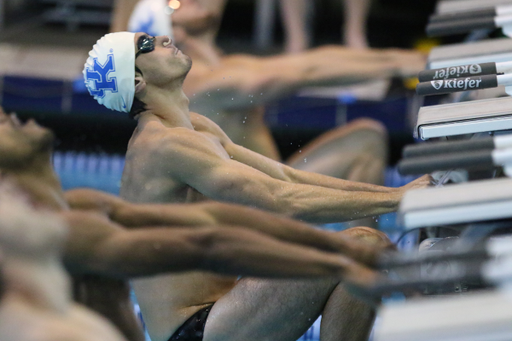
x=109 y=71
x=97 y=78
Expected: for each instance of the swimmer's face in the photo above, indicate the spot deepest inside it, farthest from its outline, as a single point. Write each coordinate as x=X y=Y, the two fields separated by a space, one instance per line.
x=20 y=142
x=159 y=60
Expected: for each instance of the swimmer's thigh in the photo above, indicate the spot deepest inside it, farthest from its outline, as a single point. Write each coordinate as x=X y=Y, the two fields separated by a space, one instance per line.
x=268 y=310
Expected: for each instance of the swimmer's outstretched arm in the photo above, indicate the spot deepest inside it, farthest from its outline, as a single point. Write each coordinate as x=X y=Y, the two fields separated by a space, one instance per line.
x=280 y=171
x=265 y=186
x=283 y=172
x=241 y=81
x=97 y=246
x=134 y=215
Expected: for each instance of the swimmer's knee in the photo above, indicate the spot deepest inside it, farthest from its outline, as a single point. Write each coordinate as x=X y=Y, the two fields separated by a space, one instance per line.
x=369 y=135
x=370 y=125
x=369 y=236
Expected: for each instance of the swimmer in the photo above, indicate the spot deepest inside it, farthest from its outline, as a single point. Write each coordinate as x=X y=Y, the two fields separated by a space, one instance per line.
x=110 y=240
x=181 y=157
x=36 y=302
x=178 y=156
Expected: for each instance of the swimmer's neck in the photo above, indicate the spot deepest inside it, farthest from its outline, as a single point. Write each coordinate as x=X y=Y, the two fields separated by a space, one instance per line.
x=170 y=107
x=38 y=179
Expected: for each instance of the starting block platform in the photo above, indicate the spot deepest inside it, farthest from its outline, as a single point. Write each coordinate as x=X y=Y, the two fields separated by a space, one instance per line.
x=473 y=317
x=491 y=50
x=457 y=204
x=486 y=115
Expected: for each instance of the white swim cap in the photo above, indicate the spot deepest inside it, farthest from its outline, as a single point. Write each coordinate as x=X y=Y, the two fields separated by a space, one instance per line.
x=109 y=72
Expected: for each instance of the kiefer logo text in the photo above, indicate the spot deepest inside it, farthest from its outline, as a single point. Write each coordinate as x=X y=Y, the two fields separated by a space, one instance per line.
x=456 y=71
x=459 y=84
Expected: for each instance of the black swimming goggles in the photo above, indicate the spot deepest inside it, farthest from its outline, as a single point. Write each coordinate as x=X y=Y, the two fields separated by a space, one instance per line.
x=145 y=44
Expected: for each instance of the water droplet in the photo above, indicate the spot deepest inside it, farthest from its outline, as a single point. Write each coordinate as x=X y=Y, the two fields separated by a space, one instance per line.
x=305 y=160
x=243 y=121
x=232 y=98
x=300 y=151
x=231 y=156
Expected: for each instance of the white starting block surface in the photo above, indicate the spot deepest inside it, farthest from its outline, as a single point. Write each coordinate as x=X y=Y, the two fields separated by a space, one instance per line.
x=457 y=204
x=467 y=5
x=486 y=51
x=474 y=317
x=471 y=117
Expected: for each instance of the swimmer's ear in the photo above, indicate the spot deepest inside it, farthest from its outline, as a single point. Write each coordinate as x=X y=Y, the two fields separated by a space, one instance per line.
x=140 y=83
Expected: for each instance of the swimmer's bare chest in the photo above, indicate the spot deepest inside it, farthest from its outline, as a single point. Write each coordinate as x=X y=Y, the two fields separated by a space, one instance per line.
x=147 y=176
x=143 y=182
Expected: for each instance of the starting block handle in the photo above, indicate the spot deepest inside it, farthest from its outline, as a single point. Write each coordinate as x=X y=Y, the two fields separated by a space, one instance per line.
x=426 y=149
x=465 y=25
x=481 y=159
x=458 y=72
x=447 y=86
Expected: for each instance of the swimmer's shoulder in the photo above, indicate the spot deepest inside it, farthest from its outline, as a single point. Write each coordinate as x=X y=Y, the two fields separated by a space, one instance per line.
x=203 y=124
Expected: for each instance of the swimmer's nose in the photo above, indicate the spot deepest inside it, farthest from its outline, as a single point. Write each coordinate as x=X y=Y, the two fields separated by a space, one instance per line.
x=168 y=41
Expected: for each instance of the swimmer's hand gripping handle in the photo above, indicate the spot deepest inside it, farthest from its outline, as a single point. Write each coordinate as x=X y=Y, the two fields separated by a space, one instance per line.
x=426 y=149
x=488 y=12
x=458 y=72
x=464 y=25
x=480 y=159
x=446 y=86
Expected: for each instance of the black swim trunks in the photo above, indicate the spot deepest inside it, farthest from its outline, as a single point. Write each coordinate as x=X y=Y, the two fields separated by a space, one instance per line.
x=193 y=328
